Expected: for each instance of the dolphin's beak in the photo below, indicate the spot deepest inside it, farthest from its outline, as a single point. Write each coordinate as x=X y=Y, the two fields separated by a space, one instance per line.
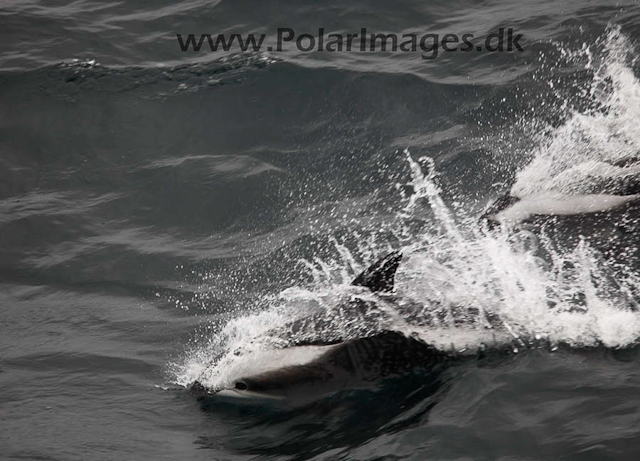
x=243 y=394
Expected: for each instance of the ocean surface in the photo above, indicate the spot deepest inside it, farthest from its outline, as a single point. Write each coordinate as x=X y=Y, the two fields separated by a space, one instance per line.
x=162 y=212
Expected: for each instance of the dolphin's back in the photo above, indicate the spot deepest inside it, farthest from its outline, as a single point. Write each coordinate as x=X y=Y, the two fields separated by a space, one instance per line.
x=383 y=355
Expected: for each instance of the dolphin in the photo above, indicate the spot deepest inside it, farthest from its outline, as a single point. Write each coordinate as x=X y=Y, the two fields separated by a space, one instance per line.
x=337 y=365
x=509 y=209
x=614 y=193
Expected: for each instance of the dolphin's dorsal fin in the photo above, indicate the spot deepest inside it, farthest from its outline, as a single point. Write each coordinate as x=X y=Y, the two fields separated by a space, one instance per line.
x=380 y=276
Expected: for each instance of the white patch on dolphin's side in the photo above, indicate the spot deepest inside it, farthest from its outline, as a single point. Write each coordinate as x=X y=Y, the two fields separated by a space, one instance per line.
x=562 y=205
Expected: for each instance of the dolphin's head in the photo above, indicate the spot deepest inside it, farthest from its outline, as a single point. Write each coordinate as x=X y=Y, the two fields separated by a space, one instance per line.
x=489 y=216
x=296 y=383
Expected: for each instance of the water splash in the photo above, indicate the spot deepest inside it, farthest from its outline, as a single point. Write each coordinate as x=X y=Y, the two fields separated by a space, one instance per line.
x=459 y=287
x=597 y=149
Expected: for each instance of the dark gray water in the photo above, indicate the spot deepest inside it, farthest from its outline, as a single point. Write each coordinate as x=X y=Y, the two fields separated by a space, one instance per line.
x=161 y=211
